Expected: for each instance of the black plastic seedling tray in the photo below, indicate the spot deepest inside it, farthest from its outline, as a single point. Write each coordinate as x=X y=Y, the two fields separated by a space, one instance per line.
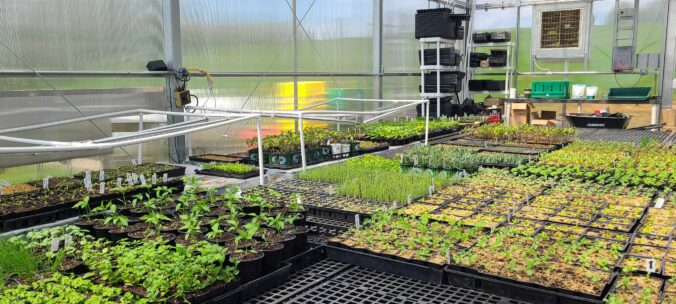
x=228 y=175
x=380 y=263
x=323 y=226
x=520 y=291
x=266 y=282
x=336 y=214
x=300 y=281
x=203 y=159
x=50 y=214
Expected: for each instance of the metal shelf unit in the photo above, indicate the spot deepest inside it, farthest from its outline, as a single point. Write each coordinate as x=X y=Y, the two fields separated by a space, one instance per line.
x=508 y=70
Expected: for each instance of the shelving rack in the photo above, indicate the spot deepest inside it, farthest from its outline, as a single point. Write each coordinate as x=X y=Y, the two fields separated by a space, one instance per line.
x=439 y=42
x=508 y=69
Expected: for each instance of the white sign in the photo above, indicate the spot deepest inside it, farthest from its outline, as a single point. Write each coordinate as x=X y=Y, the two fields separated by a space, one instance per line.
x=357 y=221
x=134 y=161
x=154 y=178
x=102 y=175
x=650 y=265
x=165 y=177
x=55 y=244
x=67 y=241
x=119 y=182
x=102 y=188
x=45 y=183
x=659 y=203
x=143 y=180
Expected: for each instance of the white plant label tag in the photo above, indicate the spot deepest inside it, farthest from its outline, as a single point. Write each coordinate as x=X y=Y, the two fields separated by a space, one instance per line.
x=67 y=241
x=415 y=161
x=408 y=199
x=119 y=182
x=394 y=205
x=134 y=177
x=650 y=265
x=509 y=215
x=401 y=158
x=448 y=255
x=102 y=175
x=430 y=189
x=45 y=183
x=154 y=178
x=102 y=187
x=55 y=244
x=298 y=200
x=134 y=161
x=143 y=180
x=659 y=203
x=357 y=221
x=165 y=177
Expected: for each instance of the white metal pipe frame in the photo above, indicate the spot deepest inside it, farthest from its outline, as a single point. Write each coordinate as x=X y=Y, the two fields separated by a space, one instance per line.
x=226 y=117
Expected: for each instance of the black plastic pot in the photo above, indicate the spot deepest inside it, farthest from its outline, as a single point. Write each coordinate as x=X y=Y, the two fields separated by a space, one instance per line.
x=300 y=242
x=273 y=255
x=250 y=265
x=288 y=240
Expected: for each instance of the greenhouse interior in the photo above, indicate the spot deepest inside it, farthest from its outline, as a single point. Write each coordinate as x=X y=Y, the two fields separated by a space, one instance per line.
x=337 y=151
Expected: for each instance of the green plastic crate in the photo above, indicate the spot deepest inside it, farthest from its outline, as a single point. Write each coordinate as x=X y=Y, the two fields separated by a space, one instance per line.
x=550 y=89
x=637 y=93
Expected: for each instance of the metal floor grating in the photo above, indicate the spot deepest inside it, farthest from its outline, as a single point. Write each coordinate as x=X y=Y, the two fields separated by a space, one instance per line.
x=665 y=137
x=330 y=282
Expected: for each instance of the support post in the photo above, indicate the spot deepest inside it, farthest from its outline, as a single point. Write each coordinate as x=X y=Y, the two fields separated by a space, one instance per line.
x=427 y=121
x=171 y=16
x=378 y=49
x=302 y=140
x=295 y=60
x=139 y=157
x=261 y=168
x=669 y=56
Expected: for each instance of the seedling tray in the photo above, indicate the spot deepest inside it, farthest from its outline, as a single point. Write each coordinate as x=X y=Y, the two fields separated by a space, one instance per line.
x=234 y=296
x=228 y=175
x=520 y=291
x=266 y=282
x=323 y=226
x=301 y=281
x=380 y=263
x=374 y=149
x=335 y=214
x=176 y=172
x=204 y=159
x=50 y=214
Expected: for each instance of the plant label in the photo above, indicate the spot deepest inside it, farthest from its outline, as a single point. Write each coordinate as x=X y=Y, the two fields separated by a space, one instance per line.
x=415 y=161
x=102 y=175
x=45 y=183
x=55 y=244
x=298 y=199
x=134 y=177
x=165 y=177
x=448 y=255
x=102 y=187
x=134 y=161
x=119 y=182
x=68 y=240
x=357 y=222
x=394 y=205
x=430 y=189
x=650 y=265
x=154 y=178
x=408 y=199
x=143 y=180
x=401 y=159
x=659 y=202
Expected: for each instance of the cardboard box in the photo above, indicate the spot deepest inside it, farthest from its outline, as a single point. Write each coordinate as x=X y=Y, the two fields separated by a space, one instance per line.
x=520 y=114
x=669 y=117
x=493 y=101
x=544 y=118
x=544 y=122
